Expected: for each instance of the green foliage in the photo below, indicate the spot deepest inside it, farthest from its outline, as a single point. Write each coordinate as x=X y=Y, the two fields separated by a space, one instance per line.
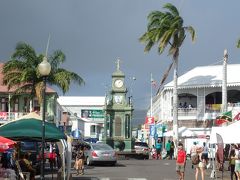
x=21 y=72
x=166 y=29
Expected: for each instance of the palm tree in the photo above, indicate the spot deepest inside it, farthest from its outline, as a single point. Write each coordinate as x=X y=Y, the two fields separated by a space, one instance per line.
x=238 y=43
x=163 y=29
x=21 y=72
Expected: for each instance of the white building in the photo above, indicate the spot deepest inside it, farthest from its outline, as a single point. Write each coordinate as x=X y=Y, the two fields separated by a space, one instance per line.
x=86 y=113
x=199 y=96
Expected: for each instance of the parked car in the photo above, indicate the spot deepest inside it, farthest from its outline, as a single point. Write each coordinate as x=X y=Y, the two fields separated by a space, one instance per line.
x=100 y=153
x=142 y=149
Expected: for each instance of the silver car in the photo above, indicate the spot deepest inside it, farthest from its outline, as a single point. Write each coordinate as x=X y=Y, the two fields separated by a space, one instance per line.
x=100 y=153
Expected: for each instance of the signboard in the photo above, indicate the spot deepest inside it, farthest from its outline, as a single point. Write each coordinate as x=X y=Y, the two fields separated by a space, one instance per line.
x=159 y=130
x=152 y=130
x=88 y=113
x=149 y=120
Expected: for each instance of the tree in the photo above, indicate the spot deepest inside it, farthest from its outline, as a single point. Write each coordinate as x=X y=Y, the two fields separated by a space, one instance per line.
x=238 y=43
x=163 y=29
x=21 y=72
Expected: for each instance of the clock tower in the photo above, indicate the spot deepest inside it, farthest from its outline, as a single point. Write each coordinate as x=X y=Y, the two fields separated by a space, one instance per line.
x=118 y=111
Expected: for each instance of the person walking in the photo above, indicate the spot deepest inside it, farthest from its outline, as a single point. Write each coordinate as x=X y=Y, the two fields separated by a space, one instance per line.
x=159 y=148
x=168 y=148
x=237 y=162
x=181 y=161
x=200 y=167
x=172 y=149
x=79 y=162
x=193 y=153
x=205 y=154
x=232 y=164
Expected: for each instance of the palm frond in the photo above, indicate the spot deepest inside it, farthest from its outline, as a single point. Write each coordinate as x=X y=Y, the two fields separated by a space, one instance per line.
x=56 y=59
x=63 y=78
x=171 y=8
x=238 y=43
x=25 y=52
x=191 y=30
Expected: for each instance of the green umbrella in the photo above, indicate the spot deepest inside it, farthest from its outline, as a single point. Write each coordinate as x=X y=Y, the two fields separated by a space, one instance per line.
x=29 y=128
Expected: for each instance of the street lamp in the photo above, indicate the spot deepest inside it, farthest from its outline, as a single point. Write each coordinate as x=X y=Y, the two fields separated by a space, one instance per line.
x=44 y=69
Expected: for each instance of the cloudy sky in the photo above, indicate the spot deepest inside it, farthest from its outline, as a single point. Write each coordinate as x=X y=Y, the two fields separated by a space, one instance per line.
x=94 y=33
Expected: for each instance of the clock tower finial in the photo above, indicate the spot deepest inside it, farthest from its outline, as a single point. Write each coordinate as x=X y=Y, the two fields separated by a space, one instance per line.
x=118 y=64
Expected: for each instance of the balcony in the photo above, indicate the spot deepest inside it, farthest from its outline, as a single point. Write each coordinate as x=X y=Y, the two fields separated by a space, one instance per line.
x=210 y=112
x=6 y=116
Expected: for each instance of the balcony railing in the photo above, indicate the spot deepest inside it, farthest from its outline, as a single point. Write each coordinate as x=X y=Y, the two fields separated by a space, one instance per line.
x=215 y=109
x=6 y=116
x=187 y=111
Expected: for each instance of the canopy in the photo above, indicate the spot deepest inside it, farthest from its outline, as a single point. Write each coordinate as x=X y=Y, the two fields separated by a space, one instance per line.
x=29 y=128
x=6 y=143
x=182 y=132
x=230 y=134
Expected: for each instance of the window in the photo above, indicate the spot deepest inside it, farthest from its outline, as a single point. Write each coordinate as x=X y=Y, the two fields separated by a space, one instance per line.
x=118 y=126
x=93 y=129
x=15 y=106
x=4 y=104
x=127 y=126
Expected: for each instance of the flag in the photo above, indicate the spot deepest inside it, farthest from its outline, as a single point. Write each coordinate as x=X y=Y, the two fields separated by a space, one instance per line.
x=220 y=149
x=225 y=117
x=154 y=83
x=237 y=117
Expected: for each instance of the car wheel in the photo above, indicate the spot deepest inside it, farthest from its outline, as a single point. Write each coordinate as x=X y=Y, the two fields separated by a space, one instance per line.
x=88 y=161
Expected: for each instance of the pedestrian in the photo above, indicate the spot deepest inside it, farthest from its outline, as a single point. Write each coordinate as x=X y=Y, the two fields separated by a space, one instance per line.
x=52 y=159
x=79 y=162
x=26 y=165
x=237 y=162
x=205 y=154
x=232 y=164
x=159 y=148
x=168 y=148
x=181 y=161
x=153 y=152
x=193 y=154
x=200 y=167
x=172 y=149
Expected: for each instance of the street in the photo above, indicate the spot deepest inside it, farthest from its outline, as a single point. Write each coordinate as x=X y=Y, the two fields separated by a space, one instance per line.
x=141 y=170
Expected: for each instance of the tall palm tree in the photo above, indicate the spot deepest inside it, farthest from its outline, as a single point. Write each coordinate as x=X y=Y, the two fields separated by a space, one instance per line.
x=21 y=72
x=163 y=29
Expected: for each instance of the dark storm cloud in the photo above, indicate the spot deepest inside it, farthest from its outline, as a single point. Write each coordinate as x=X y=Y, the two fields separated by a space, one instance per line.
x=93 y=33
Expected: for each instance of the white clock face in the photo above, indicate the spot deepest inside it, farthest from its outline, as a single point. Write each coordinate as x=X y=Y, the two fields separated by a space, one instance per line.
x=118 y=83
x=118 y=99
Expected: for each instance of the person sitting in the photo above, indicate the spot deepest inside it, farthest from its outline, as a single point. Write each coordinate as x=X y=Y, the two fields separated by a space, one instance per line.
x=26 y=166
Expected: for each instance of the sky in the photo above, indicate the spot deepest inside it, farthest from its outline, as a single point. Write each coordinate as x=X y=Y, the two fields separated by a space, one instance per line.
x=94 y=33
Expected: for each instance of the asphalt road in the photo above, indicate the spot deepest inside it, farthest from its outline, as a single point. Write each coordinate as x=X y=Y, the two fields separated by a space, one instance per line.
x=141 y=170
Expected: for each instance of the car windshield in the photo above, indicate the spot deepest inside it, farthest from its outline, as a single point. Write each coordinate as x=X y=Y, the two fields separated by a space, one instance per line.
x=141 y=144
x=101 y=147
